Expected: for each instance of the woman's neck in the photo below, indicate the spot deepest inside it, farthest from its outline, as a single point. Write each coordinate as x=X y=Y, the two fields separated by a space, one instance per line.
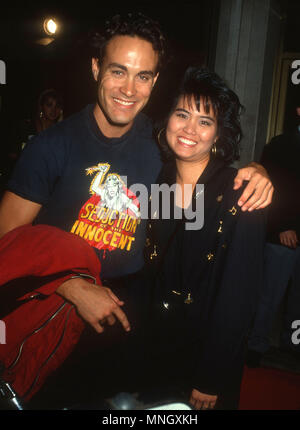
x=43 y=124
x=187 y=175
x=189 y=172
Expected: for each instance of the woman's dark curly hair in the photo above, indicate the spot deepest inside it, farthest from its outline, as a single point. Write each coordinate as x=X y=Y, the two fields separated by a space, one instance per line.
x=201 y=85
x=132 y=24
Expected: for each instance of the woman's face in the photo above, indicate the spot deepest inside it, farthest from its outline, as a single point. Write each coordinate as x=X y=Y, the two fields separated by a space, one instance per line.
x=51 y=110
x=191 y=132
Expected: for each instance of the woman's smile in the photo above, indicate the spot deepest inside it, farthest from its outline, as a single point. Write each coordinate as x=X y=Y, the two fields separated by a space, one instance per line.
x=191 y=130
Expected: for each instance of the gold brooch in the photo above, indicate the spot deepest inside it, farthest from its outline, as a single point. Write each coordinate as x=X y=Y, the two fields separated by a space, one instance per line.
x=176 y=292
x=154 y=254
x=209 y=256
x=189 y=299
x=233 y=210
x=220 y=230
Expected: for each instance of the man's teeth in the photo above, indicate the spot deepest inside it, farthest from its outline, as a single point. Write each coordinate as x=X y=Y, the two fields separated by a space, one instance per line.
x=122 y=102
x=187 y=141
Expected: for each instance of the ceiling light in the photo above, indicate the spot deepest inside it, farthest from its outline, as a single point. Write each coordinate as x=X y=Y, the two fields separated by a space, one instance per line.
x=50 y=26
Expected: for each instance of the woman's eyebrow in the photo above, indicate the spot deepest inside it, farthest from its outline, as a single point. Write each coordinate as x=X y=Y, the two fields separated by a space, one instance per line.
x=182 y=110
x=200 y=116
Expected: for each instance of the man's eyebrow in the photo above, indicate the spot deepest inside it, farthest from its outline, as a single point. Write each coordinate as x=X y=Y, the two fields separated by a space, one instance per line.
x=201 y=116
x=146 y=72
x=120 y=66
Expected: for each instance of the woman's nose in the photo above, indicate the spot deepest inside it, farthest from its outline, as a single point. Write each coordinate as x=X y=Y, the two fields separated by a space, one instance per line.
x=190 y=127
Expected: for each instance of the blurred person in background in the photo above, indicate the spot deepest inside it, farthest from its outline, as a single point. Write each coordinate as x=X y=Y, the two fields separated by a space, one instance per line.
x=48 y=112
x=282 y=256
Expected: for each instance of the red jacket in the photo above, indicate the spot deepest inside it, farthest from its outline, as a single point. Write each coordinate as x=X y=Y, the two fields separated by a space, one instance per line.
x=41 y=332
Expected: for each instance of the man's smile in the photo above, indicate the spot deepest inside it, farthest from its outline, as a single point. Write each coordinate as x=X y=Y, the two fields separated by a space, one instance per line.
x=123 y=102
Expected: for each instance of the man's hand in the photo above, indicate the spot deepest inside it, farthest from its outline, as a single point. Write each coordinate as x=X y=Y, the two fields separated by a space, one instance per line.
x=95 y=304
x=289 y=238
x=258 y=193
x=202 y=401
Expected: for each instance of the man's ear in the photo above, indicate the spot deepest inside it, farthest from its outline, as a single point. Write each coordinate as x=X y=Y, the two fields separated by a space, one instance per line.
x=95 y=68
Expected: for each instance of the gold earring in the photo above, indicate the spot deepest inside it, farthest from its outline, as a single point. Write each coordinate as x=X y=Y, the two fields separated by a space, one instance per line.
x=214 y=149
x=41 y=114
x=159 y=134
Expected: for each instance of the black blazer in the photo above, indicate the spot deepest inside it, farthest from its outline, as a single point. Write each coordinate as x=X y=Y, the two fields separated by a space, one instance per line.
x=219 y=268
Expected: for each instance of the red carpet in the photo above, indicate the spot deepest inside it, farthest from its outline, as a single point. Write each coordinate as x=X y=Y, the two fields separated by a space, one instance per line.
x=270 y=389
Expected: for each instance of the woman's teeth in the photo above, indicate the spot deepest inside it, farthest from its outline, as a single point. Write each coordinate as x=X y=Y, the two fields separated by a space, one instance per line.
x=187 y=141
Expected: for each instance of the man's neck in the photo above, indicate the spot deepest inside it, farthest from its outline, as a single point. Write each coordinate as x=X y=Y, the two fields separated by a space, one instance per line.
x=108 y=129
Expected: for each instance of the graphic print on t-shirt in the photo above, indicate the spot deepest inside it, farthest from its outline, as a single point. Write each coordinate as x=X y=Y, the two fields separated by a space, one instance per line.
x=109 y=219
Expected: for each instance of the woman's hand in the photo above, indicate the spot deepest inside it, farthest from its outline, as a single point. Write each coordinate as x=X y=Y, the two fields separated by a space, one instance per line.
x=202 y=401
x=289 y=238
x=258 y=193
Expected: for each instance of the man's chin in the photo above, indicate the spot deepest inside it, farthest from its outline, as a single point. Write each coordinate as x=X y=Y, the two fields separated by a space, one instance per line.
x=120 y=122
x=118 y=119
x=122 y=119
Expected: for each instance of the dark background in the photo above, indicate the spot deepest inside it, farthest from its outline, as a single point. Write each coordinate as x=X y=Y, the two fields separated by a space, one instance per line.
x=190 y=27
x=65 y=63
x=291 y=43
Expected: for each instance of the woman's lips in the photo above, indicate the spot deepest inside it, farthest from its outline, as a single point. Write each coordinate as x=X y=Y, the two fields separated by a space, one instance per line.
x=186 y=142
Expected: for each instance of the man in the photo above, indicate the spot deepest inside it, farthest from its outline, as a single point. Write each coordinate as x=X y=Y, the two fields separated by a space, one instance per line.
x=52 y=180
x=281 y=159
x=49 y=184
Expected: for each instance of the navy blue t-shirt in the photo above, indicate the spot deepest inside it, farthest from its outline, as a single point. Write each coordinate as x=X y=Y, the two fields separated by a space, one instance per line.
x=83 y=179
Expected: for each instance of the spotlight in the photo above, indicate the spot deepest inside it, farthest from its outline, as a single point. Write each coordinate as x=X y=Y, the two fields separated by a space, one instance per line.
x=50 y=26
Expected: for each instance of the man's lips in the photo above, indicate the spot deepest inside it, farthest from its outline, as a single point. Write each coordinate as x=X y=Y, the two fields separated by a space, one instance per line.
x=122 y=102
x=186 y=142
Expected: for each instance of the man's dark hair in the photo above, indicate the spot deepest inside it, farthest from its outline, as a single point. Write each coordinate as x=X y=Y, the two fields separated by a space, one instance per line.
x=131 y=24
x=201 y=85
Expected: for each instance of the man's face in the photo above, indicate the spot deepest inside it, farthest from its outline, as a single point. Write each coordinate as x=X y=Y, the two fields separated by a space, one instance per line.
x=126 y=77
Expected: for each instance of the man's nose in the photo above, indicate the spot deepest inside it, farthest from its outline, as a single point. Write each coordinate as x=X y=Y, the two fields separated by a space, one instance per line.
x=128 y=87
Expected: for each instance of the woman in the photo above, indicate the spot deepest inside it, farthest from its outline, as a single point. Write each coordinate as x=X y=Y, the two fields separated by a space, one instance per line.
x=206 y=281
x=49 y=110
